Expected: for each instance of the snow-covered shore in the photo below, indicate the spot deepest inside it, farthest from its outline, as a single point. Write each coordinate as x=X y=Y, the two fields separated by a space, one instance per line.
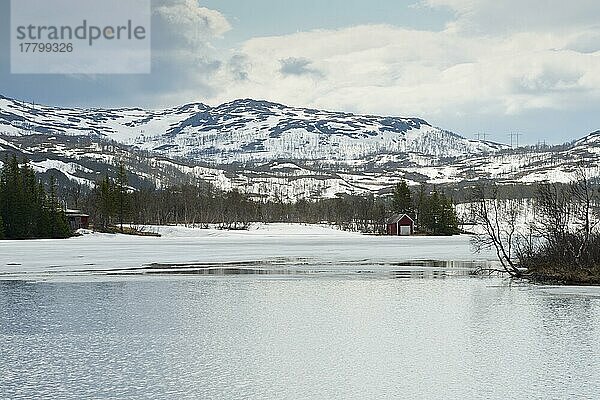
x=263 y=244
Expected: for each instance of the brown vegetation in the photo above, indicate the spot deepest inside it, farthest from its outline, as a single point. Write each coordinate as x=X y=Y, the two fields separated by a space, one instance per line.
x=561 y=244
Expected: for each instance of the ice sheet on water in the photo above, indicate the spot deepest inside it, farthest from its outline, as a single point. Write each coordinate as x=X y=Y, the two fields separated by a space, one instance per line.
x=262 y=244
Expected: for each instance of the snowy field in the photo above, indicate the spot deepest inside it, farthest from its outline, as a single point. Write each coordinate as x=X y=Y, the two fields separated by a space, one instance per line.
x=264 y=246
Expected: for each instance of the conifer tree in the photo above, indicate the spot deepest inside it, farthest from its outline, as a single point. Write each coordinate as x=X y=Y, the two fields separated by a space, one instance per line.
x=26 y=210
x=59 y=227
x=436 y=214
x=448 y=221
x=13 y=206
x=427 y=213
x=122 y=195
x=30 y=204
x=105 y=204
x=43 y=217
x=402 y=200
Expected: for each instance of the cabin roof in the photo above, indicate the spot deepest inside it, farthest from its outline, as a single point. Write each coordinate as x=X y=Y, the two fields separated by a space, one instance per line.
x=394 y=219
x=75 y=213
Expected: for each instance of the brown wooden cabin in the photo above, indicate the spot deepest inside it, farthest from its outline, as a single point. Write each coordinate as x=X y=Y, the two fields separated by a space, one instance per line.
x=400 y=225
x=77 y=219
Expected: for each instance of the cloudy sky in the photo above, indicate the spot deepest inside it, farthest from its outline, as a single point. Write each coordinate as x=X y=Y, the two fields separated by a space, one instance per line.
x=465 y=65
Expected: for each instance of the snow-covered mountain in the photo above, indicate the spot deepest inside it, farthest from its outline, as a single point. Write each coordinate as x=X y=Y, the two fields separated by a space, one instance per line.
x=245 y=131
x=272 y=150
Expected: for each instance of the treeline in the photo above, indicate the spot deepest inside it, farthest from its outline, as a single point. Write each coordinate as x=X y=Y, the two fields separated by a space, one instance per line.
x=27 y=209
x=112 y=203
x=568 y=249
x=433 y=211
x=203 y=205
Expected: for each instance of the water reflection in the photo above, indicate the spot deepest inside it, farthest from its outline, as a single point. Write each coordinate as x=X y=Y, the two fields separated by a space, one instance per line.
x=279 y=266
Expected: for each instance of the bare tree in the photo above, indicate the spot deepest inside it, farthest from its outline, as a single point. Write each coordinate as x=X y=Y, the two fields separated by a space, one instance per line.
x=568 y=219
x=498 y=219
x=584 y=200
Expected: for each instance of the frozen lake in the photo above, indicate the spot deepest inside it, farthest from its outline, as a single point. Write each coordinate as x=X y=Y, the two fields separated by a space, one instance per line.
x=314 y=316
x=276 y=246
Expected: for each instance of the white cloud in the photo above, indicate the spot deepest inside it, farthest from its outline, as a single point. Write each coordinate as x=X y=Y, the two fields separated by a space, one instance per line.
x=520 y=15
x=493 y=60
x=186 y=20
x=386 y=69
x=182 y=53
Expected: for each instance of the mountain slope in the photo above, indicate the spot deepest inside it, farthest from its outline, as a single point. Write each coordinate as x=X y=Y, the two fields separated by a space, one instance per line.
x=271 y=150
x=244 y=131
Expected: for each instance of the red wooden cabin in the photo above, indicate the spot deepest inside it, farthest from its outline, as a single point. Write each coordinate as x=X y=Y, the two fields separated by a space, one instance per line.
x=400 y=225
x=77 y=219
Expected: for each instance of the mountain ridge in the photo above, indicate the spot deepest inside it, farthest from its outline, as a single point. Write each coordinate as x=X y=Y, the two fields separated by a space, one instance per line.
x=273 y=150
x=245 y=130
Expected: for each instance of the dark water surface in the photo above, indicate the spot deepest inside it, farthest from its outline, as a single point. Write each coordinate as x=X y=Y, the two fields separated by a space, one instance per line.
x=298 y=337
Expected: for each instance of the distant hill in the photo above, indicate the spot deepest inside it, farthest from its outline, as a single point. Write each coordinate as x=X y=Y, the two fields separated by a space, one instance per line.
x=271 y=149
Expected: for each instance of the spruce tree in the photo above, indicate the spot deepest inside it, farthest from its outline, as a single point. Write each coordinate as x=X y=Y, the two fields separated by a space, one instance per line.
x=424 y=210
x=59 y=226
x=402 y=200
x=122 y=195
x=26 y=210
x=13 y=205
x=436 y=213
x=10 y=189
x=448 y=221
x=426 y=217
x=105 y=204
x=30 y=205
